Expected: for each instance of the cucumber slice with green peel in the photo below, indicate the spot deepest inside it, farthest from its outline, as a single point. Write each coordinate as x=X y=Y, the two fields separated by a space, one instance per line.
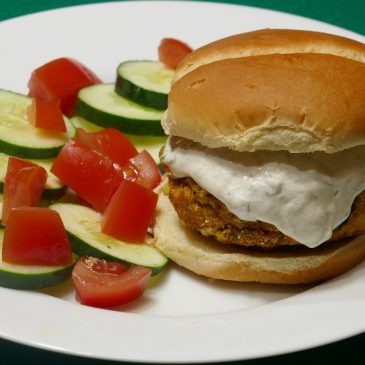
x=19 y=138
x=87 y=126
x=152 y=144
x=54 y=188
x=83 y=227
x=144 y=82
x=100 y=105
x=32 y=276
x=1 y=210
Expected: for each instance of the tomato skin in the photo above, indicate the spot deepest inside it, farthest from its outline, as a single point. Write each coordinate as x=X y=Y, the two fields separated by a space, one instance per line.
x=129 y=213
x=24 y=185
x=104 y=284
x=90 y=175
x=110 y=143
x=36 y=236
x=61 y=80
x=46 y=115
x=171 y=51
x=143 y=170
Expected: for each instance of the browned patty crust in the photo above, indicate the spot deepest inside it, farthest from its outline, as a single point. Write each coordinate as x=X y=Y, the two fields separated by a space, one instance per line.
x=201 y=211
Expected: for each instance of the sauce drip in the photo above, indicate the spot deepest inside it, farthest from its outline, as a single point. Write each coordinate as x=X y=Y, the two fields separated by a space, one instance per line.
x=304 y=195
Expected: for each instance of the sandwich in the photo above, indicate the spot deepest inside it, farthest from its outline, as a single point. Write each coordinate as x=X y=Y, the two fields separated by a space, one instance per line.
x=266 y=158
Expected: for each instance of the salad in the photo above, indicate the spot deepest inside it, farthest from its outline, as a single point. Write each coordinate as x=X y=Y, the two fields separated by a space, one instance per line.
x=78 y=169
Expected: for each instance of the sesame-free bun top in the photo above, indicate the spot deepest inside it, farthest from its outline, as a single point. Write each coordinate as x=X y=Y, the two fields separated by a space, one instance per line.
x=271 y=90
x=271 y=41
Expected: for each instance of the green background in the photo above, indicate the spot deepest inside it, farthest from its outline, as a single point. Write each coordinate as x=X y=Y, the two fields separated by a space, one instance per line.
x=349 y=14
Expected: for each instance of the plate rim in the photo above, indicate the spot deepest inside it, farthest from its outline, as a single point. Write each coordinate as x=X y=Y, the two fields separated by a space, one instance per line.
x=189 y=319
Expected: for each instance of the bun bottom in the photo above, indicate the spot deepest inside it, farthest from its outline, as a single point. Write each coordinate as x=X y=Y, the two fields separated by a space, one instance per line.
x=292 y=265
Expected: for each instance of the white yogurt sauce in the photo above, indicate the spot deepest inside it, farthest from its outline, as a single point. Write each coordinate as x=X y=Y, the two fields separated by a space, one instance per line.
x=305 y=196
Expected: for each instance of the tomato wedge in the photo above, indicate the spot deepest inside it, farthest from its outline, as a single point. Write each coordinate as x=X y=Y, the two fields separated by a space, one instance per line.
x=46 y=115
x=130 y=212
x=171 y=51
x=143 y=170
x=24 y=185
x=90 y=175
x=100 y=283
x=110 y=143
x=61 y=80
x=35 y=236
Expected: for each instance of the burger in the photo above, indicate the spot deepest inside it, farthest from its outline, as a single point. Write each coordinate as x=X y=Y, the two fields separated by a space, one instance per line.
x=266 y=158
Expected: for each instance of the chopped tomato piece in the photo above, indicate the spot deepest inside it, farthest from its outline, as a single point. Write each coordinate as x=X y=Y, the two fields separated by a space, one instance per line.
x=24 y=185
x=143 y=170
x=36 y=236
x=46 y=115
x=171 y=51
x=109 y=143
x=90 y=175
x=61 y=80
x=82 y=201
x=130 y=212
x=100 y=283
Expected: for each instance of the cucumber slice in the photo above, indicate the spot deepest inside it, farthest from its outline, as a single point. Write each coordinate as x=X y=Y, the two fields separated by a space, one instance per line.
x=87 y=126
x=99 y=104
x=144 y=82
x=152 y=144
x=1 y=210
x=54 y=187
x=32 y=276
x=83 y=227
x=19 y=138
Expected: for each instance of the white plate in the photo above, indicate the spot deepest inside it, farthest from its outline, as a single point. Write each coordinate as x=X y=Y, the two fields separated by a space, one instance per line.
x=181 y=318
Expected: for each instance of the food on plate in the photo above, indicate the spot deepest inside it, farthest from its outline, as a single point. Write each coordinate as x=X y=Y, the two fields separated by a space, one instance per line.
x=144 y=82
x=151 y=143
x=266 y=158
x=23 y=186
x=143 y=170
x=132 y=105
x=54 y=188
x=47 y=244
x=89 y=174
x=48 y=82
x=32 y=276
x=83 y=227
x=62 y=191
x=46 y=115
x=171 y=51
x=110 y=143
x=18 y=137
x=101 y=283
x=101 y=105
x=130 y=212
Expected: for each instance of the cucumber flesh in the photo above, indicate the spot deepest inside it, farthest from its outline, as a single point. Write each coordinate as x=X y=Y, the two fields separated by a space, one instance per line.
x=19 y=138
x=32 y=276
x=152 y=144
x=1 y=211
x=54 y=188
x=100 y=105
x=83 y=227
x=144 y=82
x=87 y=126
